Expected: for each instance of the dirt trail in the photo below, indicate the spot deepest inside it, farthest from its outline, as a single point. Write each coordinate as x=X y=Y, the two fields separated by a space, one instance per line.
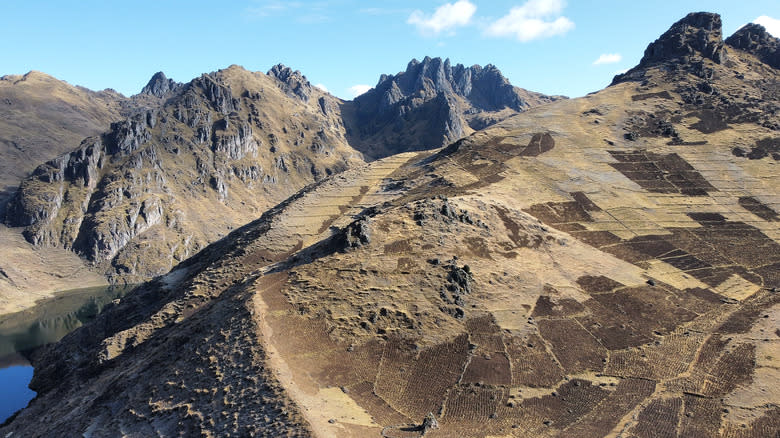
x=307 y=221
x=332 y=204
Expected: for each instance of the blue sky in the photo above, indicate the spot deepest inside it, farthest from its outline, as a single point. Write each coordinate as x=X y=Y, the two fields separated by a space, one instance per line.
x=549 y=46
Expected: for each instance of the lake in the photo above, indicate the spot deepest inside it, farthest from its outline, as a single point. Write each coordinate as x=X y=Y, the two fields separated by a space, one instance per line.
x=46 y=322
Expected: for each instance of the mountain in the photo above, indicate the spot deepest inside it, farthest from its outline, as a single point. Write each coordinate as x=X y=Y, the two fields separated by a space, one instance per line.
x=164 y=182
x=42 y=117
x=196 y=160
x=161 y=86
x=432 y=104
x=606 y=265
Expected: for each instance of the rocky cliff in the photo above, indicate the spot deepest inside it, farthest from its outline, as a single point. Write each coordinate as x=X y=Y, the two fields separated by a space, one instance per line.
x=161 y=86
x=693 y=54
x=193 y=160
x=432 y=104
x=754 y=39
x=164 y=182
x=42 y=117
x=609 y=266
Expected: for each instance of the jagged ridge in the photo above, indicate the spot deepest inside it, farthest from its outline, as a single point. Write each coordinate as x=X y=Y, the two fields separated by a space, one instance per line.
x=162 y=172
x=432 y=104
x=119 y=199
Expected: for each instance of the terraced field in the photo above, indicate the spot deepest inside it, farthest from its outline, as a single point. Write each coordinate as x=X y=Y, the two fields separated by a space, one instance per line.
x=603 y=266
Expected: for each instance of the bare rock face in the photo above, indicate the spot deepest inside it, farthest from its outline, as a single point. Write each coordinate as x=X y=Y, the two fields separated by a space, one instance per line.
x=431 y=104
x=161 y=86
x=356 y=234
x=294 y=83
x=429 y=423
x=165 y=181
x=485 y=87
x=698 y=33
x=696 y=37
x=42 y=117
x=753 y=38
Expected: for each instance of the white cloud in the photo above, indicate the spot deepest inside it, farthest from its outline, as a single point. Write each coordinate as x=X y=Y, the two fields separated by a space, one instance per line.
x=311 y=12
x=772 y=25
x=533 y=20
x=382 y=11
x=270 y=7
x=322 y=87
x=357 y=90
x=446 y=17
x=608 y=58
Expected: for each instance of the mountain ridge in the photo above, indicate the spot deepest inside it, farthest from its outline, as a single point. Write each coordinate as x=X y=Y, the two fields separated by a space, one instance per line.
x=606 y=265
x=457 y=99
x=114 y=198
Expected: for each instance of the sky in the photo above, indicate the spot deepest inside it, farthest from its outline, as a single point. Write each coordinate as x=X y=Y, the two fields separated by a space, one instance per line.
x=550 y=46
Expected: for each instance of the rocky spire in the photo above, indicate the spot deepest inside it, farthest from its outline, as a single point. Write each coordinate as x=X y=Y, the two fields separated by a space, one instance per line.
x=293 y=82
x=160 y=86
x=753 y=38
x=485 y=86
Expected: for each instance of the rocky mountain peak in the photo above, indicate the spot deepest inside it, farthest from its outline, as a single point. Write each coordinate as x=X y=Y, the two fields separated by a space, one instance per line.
x=753 y=38
x=438 y=72
x=696 y=37
x=698 y=33
x=486 y=87
x=452 y=99
x=160 y=85
x=294 y=83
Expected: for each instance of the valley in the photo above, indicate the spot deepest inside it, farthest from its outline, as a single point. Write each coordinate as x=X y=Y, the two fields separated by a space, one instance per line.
x=429 y=259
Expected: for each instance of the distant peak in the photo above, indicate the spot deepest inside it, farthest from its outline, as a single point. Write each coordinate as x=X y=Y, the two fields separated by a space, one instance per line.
x=284 y=73
x=160 y=85
x=485 y=87
x=294 y=82
x=698 y=33
x=696 y=36
x=35 y=74
x=159 y=76
x=753 y=38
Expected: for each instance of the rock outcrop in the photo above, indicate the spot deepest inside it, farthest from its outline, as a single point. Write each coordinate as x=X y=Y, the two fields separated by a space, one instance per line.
x=754 y=39
x=161 y=86
x=432 y=104
x=293 y=82
x=696 y=37
x=693 y=54
x=699 y=33
x=354 y=235
x=166 y=181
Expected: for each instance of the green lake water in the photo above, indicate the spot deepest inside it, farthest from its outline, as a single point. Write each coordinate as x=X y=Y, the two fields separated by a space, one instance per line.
x=45 y=323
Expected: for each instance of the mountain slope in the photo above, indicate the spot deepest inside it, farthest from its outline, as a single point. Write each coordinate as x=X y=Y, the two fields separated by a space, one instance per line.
x=600 y=266
x=214 y=153
x=432 y=104
x=167 y=181
x=42 y=117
